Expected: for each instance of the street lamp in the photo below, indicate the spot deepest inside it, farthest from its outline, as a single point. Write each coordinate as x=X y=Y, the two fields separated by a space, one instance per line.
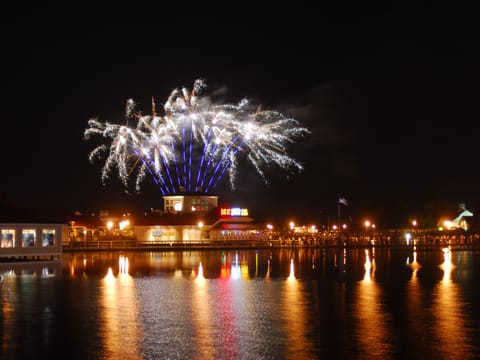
x=367 y=224
x=414 y=224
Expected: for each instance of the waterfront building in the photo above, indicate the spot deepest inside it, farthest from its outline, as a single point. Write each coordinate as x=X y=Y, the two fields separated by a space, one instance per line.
x=27 y=236
x=219 y=223
x=186 y=218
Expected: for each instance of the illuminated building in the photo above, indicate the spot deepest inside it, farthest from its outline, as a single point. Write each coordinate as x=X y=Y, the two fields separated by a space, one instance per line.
x=185 y=218
x=30 y=236
x=194 y=217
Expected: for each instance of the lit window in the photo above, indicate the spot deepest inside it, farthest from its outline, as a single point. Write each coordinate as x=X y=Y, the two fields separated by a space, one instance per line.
x=28 y=238
x=48 y=237
x=178 y=206
x=8 y=238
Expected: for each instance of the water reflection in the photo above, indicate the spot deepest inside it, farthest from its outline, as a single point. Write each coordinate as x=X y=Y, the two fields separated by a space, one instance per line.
x=414 y=265
x=295 y=318
x=236 y=270
x=450 y=322
x=415 y=305
x=269 y=267
x=224 y=267
x=27 y=309
x=319 y=303
x=227 y=294
x=447 y=265
x=8 y=314
x=291 y=275
x=373 y=334
x=200 y=277
x=202 y=313
x=368 y=267
x=121 y=332
x=123 y=265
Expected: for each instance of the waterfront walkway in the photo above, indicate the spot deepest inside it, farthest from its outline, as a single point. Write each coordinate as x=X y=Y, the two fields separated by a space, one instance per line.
x=390 y=239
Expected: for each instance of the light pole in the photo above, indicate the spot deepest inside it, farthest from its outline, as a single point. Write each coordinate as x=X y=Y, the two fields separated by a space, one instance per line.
x=414 y=224
x=292 y=230
x=269 y=232
x=367 y=225
x=373 y=234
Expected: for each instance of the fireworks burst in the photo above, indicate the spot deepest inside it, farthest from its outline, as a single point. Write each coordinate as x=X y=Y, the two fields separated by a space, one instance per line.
x=195 y=143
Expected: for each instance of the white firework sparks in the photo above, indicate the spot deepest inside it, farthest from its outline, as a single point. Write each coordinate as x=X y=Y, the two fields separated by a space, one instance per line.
x=195 y=143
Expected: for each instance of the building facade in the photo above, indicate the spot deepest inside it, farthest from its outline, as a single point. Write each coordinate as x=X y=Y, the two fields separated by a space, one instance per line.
x=31 y=240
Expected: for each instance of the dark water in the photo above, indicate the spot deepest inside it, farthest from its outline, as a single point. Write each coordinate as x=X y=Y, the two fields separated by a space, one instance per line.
x=280 y=304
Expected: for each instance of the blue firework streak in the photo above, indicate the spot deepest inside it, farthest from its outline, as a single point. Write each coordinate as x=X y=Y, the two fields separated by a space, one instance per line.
x=195 y=143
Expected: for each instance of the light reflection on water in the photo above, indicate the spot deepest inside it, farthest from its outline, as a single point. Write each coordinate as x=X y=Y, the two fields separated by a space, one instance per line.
x=120 y=330
x=258 y=304
x=294 y=318
x=372 y=333
x=450 y=321
x=202 y=306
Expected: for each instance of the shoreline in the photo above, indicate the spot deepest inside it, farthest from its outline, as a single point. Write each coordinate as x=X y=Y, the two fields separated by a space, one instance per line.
x=189 y=247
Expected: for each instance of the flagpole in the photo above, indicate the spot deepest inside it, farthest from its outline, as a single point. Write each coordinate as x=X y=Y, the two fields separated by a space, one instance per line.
x=338 y=213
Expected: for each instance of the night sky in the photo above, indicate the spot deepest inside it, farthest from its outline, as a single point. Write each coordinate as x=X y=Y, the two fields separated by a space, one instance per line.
x=389 y=93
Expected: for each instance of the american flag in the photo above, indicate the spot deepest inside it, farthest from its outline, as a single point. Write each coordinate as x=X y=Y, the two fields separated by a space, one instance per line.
x=343 y=201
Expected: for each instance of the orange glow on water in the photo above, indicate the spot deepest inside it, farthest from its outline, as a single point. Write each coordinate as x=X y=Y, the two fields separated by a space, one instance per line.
x=291 y=276
x=202 y=312
x=451 y=327
x=269 y=270
x=368 y=267
x=109 y=277
x=200 y=273
x=123 y=265
x=373 y=333
x=414 y=265
x=447 y=265
x=118 y=306
x=295 y=317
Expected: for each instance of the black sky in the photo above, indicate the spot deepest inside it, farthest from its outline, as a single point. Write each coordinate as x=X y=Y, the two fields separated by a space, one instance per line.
x=388 y=90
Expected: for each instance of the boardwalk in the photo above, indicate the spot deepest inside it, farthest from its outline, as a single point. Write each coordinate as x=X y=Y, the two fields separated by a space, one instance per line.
x=393 y=239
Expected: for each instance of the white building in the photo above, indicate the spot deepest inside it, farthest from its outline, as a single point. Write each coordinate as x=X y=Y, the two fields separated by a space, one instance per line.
x=31 y=240
x=191 y=218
